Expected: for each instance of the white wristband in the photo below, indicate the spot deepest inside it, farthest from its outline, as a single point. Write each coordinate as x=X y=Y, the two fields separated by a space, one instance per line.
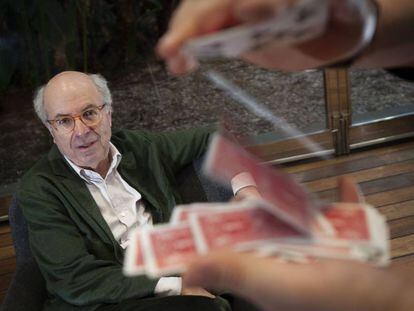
x=242 y=180
x=168 y=286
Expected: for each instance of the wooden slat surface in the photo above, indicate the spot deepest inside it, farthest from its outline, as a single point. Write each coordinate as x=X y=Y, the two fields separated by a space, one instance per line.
x=402 y=246
x=398 y=210
x=401 y=227
x=296 y=168
x=360 y=164
x=4 y=205
x=391 y=197
x=7 y=259
x=378 y=187
x=363 y=175
x=4 y=228
x=385 y=175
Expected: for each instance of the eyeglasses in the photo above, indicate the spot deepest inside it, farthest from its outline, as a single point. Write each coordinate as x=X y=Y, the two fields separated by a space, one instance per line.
x=90 y=117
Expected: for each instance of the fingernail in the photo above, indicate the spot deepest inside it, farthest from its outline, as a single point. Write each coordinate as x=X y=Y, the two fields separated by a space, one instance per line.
x=248 y=13
x=165 y=45
x=191 y=63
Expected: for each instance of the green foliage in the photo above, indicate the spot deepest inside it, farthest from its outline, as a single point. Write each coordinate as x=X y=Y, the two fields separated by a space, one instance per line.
x=40 y=38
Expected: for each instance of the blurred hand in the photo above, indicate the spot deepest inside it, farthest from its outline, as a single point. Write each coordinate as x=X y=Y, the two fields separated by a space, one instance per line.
x=319 y=286
x=195 y=18
x=195 y=291
x=324 y=285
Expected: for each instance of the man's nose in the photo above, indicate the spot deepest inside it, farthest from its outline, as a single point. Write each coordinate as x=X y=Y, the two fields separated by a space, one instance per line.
x=80 y=128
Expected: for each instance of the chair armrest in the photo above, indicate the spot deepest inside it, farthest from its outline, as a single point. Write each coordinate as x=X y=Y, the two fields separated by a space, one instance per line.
x=26 y=290
x=195 y=187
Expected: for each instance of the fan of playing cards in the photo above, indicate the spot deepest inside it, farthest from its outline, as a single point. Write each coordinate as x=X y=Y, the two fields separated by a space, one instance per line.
x=287 y=223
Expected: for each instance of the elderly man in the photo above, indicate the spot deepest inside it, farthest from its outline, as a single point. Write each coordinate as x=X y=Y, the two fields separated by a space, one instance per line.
x=92 y=188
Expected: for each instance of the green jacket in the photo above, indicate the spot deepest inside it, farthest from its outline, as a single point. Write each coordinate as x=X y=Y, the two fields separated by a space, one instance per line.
x=70 y=240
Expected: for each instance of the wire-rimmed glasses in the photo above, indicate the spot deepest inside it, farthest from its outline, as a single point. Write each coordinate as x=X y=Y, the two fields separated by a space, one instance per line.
x=90 y=117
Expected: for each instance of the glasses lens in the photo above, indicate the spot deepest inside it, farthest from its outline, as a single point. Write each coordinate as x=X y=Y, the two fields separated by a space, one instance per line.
x=64 y=124
x=91 y=116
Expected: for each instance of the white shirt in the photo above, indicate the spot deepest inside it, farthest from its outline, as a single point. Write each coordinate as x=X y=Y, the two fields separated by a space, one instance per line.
x=123 y=210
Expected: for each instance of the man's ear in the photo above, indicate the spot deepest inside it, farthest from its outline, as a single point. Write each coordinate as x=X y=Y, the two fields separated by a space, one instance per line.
x=49 y=127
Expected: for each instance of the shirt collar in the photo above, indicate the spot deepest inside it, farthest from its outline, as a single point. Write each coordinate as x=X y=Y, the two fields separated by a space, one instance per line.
x=91 y=176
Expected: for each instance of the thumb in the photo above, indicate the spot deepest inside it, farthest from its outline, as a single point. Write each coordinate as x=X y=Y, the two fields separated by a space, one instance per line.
x=253 y=11
x=349 y=191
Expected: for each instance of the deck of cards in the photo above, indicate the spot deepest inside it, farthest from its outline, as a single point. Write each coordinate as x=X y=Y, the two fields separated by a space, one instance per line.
x=296 y=23
x=286 y=223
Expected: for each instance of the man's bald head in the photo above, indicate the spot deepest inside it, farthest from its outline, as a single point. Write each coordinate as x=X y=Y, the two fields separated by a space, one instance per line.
x=67 y=83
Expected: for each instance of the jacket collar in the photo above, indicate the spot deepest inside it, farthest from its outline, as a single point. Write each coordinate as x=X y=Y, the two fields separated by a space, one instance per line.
x=128 y=168
x=79 y=194
x=62 y=168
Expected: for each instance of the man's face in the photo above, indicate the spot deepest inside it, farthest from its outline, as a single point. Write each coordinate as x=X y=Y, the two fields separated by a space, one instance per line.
x=70 y=94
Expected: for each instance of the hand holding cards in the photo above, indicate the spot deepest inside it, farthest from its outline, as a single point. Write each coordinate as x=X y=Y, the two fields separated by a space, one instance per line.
x=294 y=24
x=287 y=223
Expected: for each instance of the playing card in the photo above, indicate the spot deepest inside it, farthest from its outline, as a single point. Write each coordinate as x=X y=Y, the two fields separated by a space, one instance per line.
x=360 y=227
x=320 y=225
x=313 y=251
x=180 y=212
x=243 y=227
x=349 y=222
x=296 y=23
x=167 y=249
x=340 y=231
x=289 y=200
x=134 y=256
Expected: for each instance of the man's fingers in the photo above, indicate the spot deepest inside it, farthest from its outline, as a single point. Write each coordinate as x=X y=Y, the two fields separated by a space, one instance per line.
x=191 y=19
x=244 y=275
x=171 y=42
x=256 y=10
x=180 y=64
x=349 y=191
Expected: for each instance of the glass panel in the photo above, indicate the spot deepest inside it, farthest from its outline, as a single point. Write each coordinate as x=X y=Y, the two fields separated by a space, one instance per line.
x=152 y=99
x=383 y=108
x=378 y=94
x=193 y=100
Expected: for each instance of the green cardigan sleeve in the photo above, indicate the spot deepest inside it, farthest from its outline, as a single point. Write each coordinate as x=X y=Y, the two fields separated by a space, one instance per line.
x=72 y=272
x=181 y=147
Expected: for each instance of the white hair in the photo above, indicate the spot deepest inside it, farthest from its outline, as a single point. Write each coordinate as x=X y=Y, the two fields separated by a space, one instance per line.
x=39 y=106
x=101 y=85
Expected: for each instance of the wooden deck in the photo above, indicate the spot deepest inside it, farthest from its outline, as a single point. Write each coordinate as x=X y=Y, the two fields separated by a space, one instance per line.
x=7 y=259
x=386 y=177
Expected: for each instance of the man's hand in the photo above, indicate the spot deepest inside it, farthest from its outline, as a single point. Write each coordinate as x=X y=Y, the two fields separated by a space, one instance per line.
x=196 y=18
x=327 y=285
x=195 y=291
x=321 y=286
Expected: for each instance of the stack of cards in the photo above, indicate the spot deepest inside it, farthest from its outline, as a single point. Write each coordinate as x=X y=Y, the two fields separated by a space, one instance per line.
x=294 y=24
x=287 y=223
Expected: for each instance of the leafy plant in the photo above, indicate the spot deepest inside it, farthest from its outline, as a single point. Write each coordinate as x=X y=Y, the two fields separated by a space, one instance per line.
x=40 y=38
